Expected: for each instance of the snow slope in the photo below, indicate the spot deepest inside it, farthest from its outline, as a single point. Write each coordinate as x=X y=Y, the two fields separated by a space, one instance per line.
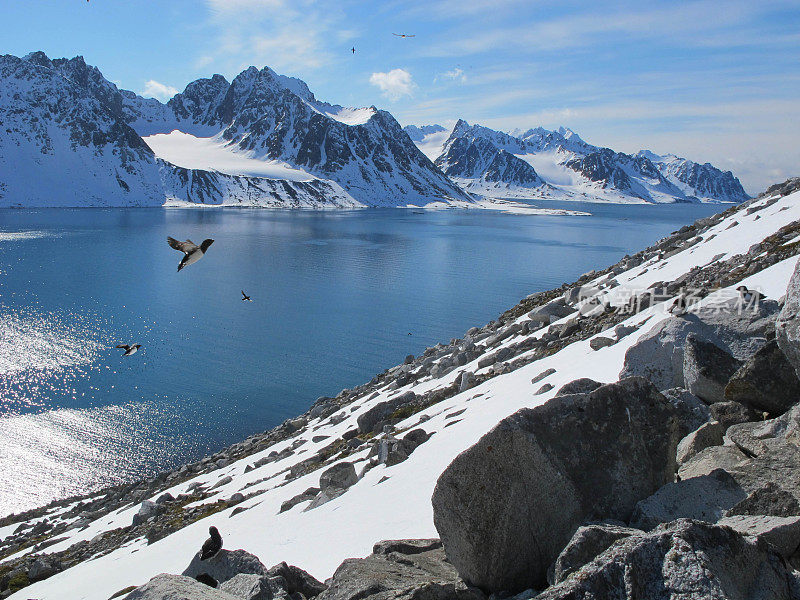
x=572 y=168
x=394 y=502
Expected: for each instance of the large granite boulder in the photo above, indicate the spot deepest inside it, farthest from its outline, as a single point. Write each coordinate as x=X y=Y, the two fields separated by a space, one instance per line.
x=659 y=353
x=707 y=369
x=177 y=587
x=730 y=413
x=782 y=533
x=587 y=543
x=297 y=580
x=247 y=586
x=400 y=570
x=225 y=565
x=710 y=459
x=781 y=468
x=372 y=417
x=694 y=412
x=341 y=475
x=707 y=435
x=507 y=506
x=760 y=437
x=683 y=560
x=704 y=498
x=787 y=328
x=767 y=382
x=770 y=500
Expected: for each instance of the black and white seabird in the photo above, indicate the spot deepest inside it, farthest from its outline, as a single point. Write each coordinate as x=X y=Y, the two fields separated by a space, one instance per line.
x=678 y=306
x=245 y=297
x=212 y=545
x=192 y=251
x=749 y=296
x=129 y=349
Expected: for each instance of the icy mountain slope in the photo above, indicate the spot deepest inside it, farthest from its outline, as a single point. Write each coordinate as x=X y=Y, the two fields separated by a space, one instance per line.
x=71 y=138
x=572 y=168
x=455 y=392
x=275 y=118
x=61 y=146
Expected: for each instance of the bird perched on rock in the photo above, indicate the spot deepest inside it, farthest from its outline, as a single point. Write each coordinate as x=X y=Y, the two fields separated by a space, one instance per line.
x=749 y=296
x=192 y=252
x=129 y=349
x=212 y=545
x=245 y=297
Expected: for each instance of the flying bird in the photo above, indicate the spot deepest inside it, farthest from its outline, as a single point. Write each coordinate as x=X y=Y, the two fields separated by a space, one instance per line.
x=245 y=297
x=129 y=349
x=353 y=49
x=404 y=35
x=192 y=251
x=212 y=545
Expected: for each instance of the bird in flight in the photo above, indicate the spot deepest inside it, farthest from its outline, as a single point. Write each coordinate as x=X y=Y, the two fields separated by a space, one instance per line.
x=245 y=297
x=192 y=252
x=129 y=349
x=404 y=35
x=353 y=49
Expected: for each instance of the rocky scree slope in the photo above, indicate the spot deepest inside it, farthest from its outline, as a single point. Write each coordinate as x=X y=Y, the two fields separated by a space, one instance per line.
x=364 y=465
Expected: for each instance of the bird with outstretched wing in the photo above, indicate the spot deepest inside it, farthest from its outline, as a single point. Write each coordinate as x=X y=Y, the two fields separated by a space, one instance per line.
x=404 y=35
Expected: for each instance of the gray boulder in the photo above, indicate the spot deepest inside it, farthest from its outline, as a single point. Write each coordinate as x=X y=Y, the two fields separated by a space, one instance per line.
x=787 y=327
x=248 y=587
x=325 y=496
x=707 y=435
x=730 y=413
x=707 y=369
x=225 y=565
x=692 y=411
x=758 y=438
x=309 y=494
x=782 y=533
x=770 y=500
x=177 y=587
x=658 y=355
x=578 y=386
x=778 y=467
x=704 y=498
x=297 y=580
x=542 y=472
x=767 y=382
x=381 y=411
x=598 y=342
x=400 y=570
x=542 y=375
x=146 y=510
x=587 y=543
x=341 y=475
x=683 y=560
x=710 y=459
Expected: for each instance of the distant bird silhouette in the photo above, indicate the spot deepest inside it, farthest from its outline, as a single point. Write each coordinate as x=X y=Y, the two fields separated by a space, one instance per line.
x=353 y=49
x=212 y=545
x=409 y=333
x=192 y=251
x=245 y=297
x=404 y=35
x=129 y=349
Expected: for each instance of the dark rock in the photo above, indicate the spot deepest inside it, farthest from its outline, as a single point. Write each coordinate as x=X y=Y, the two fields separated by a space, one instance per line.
x=147 y=510
x=707 y=369
x=297 y=580
x=544 y=389
x=225 y=565
x=730 y=413
x=578 y=386
x=542 y=472
x=341 y=475
x=309 y=494
x=683 y=559
x=381 y=411
x=177 y=587
x=398 y=572
x=787 y=327
x=769 y=500
x=587 y=543
x=659 y=353
x=767 y=382
x=542 y=375
x=704 y=498
x=596 y=343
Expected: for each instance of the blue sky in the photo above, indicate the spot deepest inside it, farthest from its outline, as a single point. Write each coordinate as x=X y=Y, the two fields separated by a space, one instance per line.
x=716 y=81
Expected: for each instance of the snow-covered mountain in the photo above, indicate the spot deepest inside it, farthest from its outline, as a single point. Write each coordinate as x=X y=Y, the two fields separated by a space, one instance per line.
x=568 y=168
x=71 y=138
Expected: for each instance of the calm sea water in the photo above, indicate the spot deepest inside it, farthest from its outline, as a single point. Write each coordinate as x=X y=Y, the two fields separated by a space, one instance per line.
x=335 y=297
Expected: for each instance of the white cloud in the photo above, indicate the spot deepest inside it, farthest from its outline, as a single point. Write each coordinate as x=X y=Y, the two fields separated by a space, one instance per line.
x=457 y=74
x=395 y=84
x=160 y=91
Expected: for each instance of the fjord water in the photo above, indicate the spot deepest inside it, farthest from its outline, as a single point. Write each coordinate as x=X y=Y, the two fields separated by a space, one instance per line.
x=338 y=296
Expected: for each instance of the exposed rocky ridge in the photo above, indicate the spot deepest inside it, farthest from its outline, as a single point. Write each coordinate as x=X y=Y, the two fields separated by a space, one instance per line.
x=503 y=346
x=472 y=153
x=67 y=128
